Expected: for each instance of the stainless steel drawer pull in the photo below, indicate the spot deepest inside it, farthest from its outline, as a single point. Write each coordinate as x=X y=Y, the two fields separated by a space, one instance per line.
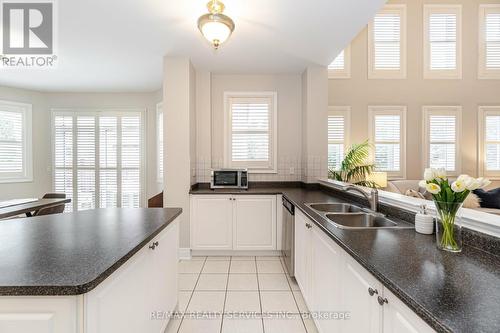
x=308 y=226
x=372 y=291
x=382 y=301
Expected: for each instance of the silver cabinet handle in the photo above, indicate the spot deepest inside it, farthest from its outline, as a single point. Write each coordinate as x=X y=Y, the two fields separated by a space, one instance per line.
x=154 y=245
x=372 y=291
x=308 y=226
x=382 y=301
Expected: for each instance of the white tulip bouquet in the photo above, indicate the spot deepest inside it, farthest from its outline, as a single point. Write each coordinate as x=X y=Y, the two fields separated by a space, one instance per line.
x=448 y=199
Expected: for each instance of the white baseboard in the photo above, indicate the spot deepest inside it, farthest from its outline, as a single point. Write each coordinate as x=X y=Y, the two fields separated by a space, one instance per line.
x=184 y=253
x=236 y=253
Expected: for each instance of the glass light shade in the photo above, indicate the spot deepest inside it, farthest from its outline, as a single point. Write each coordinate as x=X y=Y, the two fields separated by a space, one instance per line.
x=215 y=31
x=379 y=178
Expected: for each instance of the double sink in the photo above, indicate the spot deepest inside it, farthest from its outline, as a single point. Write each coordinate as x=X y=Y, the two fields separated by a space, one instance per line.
x=347 y=216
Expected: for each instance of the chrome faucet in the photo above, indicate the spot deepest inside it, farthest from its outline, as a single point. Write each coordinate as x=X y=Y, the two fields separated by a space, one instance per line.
x=372 y=197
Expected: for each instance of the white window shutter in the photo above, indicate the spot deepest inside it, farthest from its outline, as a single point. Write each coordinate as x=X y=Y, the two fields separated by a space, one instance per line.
x=63 y=157
x=387 y=142
x=86 y=158
x=492 y=142
x=442 y=137
x=11 y=142
x=131 y=161
x=108 y=161
x=443 y=41
x=338 y=62
x=387 y=41
x=492 y=27
x=160 y=148
x=336 y=136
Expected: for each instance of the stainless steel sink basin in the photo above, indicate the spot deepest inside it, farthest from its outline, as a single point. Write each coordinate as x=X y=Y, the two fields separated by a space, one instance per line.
x=334 y=207
x=361 y=221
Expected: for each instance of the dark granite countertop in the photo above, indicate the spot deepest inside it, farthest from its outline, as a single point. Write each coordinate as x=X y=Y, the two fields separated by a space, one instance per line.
x=451 y=292
x=71 y=253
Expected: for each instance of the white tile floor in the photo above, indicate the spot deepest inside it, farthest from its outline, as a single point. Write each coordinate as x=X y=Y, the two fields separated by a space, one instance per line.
x=256 y=287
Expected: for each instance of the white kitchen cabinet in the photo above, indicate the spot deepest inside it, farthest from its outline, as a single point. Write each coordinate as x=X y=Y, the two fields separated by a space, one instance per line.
x=326 y=258
x=398 y=318
x=331 y=281
x=303 y=254
x=233 y=222
x=212 y=222
x=365 y=312
x=125 y=301
x=254 y=222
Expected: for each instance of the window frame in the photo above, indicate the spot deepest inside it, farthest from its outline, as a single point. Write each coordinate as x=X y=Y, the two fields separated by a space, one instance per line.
x=400 y=110
x=99 y=112
x=344 y=111
x=344 y=73
x=442 y=110
x=430 y=9
x=483 y=72
x=373 y=73
x=484 y=111
x=159 y=166
x=271 y=165
x=26 y=175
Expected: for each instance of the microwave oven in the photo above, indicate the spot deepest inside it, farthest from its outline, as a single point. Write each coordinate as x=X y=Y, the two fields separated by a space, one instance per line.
x=229 y=178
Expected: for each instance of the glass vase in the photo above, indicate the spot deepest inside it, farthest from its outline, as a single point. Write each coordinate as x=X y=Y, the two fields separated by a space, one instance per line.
x=449 y=226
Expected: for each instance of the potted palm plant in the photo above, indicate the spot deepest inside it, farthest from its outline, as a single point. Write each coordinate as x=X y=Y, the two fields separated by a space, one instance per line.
x=354 y=168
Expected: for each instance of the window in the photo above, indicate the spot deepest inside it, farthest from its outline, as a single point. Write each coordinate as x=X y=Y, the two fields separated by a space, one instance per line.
x=338 y=135
x=387 y=130
x=97 y=158
x=489 y=141
x=387 y=43
x=441 y=137
x=442 y=41
x=16 y=163
x=159 y=140
x=489 y=41
x=340 y=68
x=251 y=134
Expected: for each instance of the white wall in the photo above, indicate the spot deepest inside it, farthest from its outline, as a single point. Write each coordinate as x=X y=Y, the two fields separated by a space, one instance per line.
x=288 y=87
x=42 y=145
x=414 y=92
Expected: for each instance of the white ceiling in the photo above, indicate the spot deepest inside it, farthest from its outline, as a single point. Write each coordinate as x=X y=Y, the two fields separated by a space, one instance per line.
x=118 y=45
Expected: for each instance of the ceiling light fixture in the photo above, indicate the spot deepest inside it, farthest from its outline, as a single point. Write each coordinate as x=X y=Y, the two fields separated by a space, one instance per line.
x=215 y=26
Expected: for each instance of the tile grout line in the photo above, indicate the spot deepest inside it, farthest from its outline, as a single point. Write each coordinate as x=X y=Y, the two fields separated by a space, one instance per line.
x=192 y=293
x=295 y=300
x=260 y=297
x=225 y=294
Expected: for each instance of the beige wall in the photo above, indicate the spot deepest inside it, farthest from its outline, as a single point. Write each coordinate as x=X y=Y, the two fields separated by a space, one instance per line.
x=288 y=88
x=42 y=144
x=414 y=92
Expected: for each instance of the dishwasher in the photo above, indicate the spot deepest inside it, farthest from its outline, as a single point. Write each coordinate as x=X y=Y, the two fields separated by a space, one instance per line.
x=288 y=236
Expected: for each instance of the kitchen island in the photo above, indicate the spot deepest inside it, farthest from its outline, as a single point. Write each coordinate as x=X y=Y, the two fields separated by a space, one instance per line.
x=87 y=271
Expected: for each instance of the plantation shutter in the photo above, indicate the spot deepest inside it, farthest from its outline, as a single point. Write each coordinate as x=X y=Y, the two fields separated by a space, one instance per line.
x=492 y=40
x=108 y=161
x=11 y=142
x=131 y=161
x=97 y=159
x=336 y=137
x=160 y=145
x=442 y=138
x=492 y=142
x=338 y=62
x=387 y=142
x=387 y=41
x=63 y=157
x=250 y=124
x=86 y=161
x=443 y=41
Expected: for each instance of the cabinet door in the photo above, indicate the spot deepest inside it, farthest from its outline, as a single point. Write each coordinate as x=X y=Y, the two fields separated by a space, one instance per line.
x=398 y=318
x=365 y=312
x=211 y=222
x=326 y=279
x=165 y=263
x=303 y=253
x=254 y=222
